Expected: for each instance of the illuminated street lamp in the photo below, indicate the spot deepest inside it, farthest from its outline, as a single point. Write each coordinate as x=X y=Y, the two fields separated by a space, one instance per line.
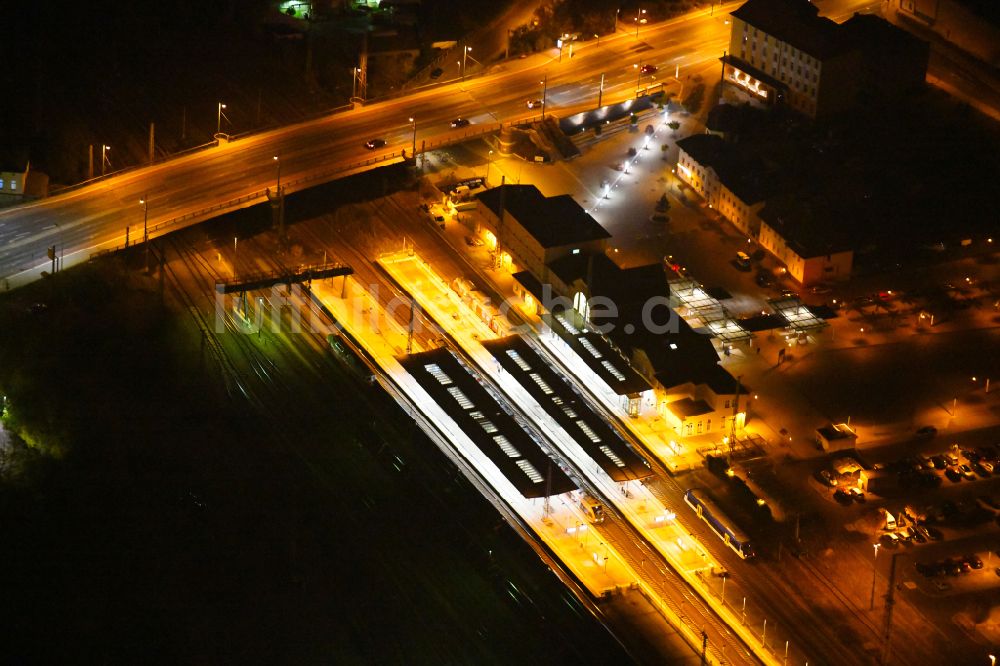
x=413 y=123
x=277 y=163
x=354 y=84
x=465 y=55
x=638 y=20
x=874 y=576
x=144 y=202
x=218 y=118
x=545 y=90
x=489 y=161
x=105 y=149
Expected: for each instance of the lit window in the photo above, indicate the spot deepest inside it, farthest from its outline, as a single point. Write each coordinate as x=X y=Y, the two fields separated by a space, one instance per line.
x=1 y=183
x=576 y=250
x=13 y=184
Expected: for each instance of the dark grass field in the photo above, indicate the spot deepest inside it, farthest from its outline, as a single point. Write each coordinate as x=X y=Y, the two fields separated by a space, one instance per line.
x=169 y=524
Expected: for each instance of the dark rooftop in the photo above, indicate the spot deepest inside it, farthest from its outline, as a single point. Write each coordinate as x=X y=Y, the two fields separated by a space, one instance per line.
x=738 y=166
x=553 y=221
x=795 y=22
x=606 y=361
x=493 y=430
x=622 y=285
x=869 y=30
x=815 y=226
x=686 y=407
x=568 y=408
x=679 y=357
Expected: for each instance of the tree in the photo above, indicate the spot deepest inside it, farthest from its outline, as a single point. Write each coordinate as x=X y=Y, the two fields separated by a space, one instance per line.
x=662 y=205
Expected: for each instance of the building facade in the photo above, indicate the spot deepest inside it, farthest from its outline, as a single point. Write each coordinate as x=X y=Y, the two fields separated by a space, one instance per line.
x=807 y=240
x=781 y=52
x=732 y=184
x=535 y=230
x=17 y=186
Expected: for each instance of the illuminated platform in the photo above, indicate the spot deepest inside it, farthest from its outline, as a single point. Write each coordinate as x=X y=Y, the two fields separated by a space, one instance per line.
x=606 y=362
x=567 y=407
x=485 y=421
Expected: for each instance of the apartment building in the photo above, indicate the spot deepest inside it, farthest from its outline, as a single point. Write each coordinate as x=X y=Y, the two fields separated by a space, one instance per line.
x=782 y=53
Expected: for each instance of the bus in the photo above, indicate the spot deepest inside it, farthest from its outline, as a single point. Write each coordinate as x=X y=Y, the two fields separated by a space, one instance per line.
x=719 y=522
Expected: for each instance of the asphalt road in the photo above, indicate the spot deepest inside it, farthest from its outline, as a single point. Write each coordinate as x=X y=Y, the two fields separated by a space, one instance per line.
x=202 y=184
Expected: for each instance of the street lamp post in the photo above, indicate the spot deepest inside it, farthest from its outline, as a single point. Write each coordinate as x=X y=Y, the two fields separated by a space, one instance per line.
x=489 y=161
x=874 y=576
x=218 y=118
x=600 y=92
x=145 y=229
x=413 y=150
x=638 y=16
x=465 y=55
x=545 y=90
x=277 y=186
x=105 y=149
x=354 y=83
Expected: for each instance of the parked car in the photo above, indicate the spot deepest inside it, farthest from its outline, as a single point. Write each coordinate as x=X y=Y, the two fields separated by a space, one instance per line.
x=918 y=535
x=934 y=534
x=764 y=279
x=989 y=453
x=842 y=496
x=857 y=495
x=967 y=473
x=827 y=478
x=925 y=461
x=939 y=462
x=742 y=261
x=472 y=241
x=905 y=534
x=953 y=474
x=889 y=540
x=373 y=144
x=973 y=561
x=952 y=567
x=986 y=467
x=459 y=122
